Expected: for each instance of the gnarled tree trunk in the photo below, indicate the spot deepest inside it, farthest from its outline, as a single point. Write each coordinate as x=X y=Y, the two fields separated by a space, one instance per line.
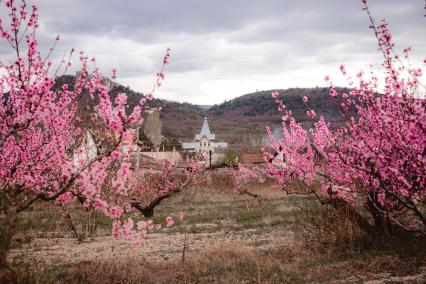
x=7 y=228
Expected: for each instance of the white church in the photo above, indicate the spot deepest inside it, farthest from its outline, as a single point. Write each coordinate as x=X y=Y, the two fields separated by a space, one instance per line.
x=205 y=143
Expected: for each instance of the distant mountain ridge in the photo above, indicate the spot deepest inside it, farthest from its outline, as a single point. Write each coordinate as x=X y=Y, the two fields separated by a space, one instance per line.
x=205 y=106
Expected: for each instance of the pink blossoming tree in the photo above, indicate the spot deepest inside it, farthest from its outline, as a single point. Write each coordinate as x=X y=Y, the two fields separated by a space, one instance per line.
x=374 y=165
x=40 y=134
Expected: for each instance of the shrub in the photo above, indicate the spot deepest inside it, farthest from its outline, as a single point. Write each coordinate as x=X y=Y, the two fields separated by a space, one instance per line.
x=231 y=157
x=323 y=229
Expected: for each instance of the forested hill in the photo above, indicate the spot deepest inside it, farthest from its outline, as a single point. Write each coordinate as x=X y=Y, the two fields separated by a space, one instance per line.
x=242 y=121
x=262 y=104
x=248 y=115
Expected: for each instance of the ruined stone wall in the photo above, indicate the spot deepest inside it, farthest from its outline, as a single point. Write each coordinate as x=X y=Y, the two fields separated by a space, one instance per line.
x=171 y=156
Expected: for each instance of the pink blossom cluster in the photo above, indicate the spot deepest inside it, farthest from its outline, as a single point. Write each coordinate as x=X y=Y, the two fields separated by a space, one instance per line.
x=242 y=176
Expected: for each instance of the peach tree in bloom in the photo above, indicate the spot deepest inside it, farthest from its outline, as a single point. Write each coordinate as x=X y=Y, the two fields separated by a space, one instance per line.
x=373 y=166
x=40 y=137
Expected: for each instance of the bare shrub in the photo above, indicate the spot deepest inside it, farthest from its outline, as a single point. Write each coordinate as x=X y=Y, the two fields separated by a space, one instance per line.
x=219 y=180
x=324 y=228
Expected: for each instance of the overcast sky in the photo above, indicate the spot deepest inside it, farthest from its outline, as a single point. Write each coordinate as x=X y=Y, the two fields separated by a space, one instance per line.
x=226 y=48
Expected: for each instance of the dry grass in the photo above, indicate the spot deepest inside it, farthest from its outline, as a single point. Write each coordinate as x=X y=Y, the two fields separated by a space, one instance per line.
x=238 y=264
x=218 y=264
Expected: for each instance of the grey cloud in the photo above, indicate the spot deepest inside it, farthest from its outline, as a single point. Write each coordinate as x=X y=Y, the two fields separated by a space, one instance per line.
x=155 y=18
x=223 y=39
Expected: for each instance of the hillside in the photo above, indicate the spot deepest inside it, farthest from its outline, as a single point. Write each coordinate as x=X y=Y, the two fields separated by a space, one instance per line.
x=240 y=121
x=243 y=119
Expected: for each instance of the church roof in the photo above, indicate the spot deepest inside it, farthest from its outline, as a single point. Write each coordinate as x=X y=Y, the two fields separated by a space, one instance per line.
x=205 y=132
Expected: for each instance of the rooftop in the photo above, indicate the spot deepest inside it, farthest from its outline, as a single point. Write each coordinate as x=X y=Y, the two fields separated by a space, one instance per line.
x=205 y=132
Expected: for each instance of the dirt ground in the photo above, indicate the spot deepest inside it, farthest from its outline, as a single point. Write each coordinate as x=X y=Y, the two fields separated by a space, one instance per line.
x=161 y=247
x=158 y=246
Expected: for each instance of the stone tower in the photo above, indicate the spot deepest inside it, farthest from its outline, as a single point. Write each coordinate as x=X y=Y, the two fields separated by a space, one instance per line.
x=152 y=127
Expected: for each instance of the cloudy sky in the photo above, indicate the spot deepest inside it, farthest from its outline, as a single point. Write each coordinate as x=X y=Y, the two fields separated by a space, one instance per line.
x=226 y=48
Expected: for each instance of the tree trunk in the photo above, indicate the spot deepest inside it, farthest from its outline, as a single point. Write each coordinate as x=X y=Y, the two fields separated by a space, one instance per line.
x=68 y=218
x=91 y=223
x=7 y=275
x=382 y=225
